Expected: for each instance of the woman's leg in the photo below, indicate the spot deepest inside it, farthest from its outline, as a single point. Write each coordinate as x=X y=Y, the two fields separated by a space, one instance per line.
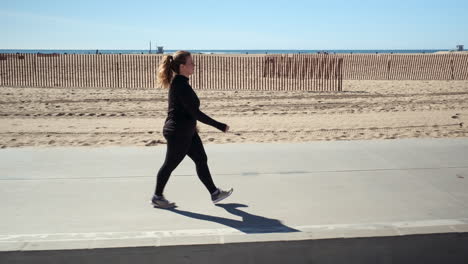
x=177 y=147
x=197 y=153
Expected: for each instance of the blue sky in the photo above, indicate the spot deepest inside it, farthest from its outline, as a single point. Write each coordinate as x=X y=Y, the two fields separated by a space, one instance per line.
x=333 y=24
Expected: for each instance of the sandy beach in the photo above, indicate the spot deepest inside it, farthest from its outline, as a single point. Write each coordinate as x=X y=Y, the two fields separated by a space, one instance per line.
x=42 y=117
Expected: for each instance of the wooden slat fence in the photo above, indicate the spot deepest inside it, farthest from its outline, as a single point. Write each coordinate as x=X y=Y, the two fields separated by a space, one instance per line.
x=283 y=72
x=404 y=66
x=317 y=72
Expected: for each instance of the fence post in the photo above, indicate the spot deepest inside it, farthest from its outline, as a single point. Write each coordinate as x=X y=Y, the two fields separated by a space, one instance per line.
x=451 y=66
x=117 y=69
x=389 y=63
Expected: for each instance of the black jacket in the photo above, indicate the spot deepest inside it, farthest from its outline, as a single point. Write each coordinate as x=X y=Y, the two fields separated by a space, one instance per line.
x=183 y=110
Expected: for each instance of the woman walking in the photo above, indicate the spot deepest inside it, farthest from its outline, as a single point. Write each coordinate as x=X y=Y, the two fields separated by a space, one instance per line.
x=180 y=127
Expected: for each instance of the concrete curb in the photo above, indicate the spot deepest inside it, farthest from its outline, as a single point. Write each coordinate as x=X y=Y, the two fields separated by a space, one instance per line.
x=427 y=248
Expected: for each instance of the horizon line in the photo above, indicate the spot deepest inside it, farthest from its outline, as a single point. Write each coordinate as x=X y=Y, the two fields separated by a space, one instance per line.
x=217 y=49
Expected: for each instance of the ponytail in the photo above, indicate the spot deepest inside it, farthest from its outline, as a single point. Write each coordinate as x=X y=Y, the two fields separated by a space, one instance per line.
x=165 y=73
x=170 y=65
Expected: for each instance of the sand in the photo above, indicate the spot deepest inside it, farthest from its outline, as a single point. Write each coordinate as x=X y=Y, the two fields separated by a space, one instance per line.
x=45 y=117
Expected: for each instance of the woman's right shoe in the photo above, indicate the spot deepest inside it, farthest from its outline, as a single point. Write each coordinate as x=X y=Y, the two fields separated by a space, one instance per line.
x=220 y=195
x=161 y=202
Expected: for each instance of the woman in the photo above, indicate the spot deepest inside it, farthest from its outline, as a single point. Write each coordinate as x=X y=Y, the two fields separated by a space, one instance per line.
x=180 y=127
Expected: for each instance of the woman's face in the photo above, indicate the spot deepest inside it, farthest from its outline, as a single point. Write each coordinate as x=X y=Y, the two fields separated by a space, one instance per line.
x=187 y=68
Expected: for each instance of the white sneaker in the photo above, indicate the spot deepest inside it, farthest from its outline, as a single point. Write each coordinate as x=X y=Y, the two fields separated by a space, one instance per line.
x=220 y=195
x=161 y=202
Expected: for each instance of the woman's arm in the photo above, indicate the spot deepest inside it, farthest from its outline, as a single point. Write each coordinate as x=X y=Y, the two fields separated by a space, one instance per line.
x=188 y=100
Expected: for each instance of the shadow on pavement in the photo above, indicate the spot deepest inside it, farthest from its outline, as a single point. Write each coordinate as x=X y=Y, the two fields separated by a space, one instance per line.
x=250 y=223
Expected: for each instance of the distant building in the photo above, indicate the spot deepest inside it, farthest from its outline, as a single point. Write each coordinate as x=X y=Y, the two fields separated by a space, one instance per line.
x=459 y=47
x=160 y=50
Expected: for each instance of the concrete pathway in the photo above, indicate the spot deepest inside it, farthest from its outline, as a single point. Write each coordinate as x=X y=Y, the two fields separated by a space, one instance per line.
x=85 y=198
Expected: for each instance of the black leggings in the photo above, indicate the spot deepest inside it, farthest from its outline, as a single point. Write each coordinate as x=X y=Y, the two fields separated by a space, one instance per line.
x=179 y=145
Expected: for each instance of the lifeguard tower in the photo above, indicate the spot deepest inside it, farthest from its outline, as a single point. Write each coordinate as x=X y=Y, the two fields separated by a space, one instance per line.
x=160 y=50
x=459 y=47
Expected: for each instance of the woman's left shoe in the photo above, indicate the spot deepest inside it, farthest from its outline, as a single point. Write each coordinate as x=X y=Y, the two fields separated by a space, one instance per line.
x=161 y=202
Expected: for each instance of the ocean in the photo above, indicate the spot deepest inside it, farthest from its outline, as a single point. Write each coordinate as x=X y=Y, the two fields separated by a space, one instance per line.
x=266 y=51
